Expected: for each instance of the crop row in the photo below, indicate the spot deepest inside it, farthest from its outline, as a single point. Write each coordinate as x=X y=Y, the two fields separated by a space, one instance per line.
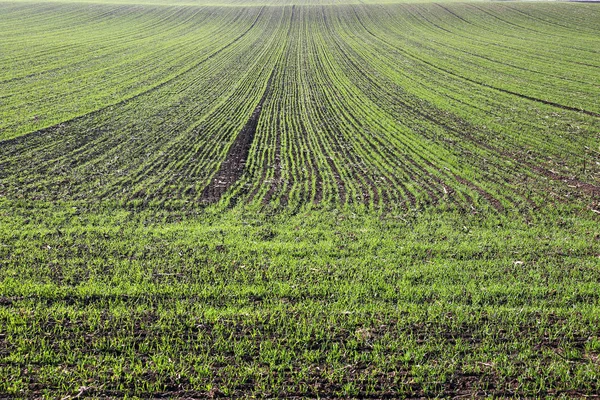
x=377 y=105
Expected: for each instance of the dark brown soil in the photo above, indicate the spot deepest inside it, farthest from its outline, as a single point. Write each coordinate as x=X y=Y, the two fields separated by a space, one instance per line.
x=572 y=182
x=232 y=168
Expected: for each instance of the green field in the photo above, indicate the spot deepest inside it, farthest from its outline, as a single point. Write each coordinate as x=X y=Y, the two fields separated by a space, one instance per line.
x=299 y=199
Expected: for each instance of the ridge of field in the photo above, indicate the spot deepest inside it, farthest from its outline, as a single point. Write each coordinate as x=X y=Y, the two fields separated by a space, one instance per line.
x=386 y=106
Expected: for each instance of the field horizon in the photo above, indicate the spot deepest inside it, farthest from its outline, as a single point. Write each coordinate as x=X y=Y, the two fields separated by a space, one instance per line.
x=299 y=199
